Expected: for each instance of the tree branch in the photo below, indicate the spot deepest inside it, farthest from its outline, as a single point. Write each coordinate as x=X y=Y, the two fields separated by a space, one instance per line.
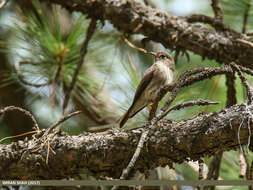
x=83 y=51
x=214 y=169
x=231 y=91
x=131 y=17
x=217 y=10
x=245 y=17
x=107 y=153
x=25 y=112
x=186 y=79
x=244 y=82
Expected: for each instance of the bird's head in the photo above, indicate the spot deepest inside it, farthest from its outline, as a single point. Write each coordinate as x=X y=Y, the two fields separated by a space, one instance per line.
x=165 y=58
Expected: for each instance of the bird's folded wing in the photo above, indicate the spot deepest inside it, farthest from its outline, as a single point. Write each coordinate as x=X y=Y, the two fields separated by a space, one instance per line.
x=143 y=84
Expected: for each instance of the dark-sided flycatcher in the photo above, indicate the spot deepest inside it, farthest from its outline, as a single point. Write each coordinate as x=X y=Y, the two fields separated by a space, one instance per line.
x=155 y=78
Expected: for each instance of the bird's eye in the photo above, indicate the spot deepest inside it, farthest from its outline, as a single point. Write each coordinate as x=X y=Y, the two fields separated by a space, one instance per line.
x=162 y=56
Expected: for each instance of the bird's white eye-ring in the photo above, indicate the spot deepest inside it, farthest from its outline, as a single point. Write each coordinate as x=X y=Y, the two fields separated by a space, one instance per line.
x=162 y=56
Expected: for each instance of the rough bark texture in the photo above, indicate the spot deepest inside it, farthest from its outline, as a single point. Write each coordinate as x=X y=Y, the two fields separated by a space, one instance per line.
x=173 y=32
x=170 y=141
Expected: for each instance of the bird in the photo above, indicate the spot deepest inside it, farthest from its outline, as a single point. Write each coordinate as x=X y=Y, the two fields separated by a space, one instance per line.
x=161 y=73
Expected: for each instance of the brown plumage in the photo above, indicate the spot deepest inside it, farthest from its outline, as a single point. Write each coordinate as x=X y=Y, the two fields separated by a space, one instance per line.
x=157 y=76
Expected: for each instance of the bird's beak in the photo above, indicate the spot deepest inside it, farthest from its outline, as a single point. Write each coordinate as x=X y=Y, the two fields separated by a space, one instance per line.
x=152 y=53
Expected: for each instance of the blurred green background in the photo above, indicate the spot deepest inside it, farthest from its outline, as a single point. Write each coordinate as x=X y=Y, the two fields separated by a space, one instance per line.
x=41 y=37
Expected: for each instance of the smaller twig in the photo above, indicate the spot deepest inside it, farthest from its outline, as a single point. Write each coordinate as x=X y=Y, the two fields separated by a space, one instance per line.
x=244 y=81
x=20 y=135
x=250 y=117
x=188 y=78
x=217 y=168
x=134 y=46
x=243 y=165
x=132 y=162
x=61 y=52
x=183 y=52
x=64 y=118
x=231 y=90
x=217 y=10
x=195 y=75
x=217 y=165
x=162 y=113
x=201 y=170
x=187 y=56
x=246 y=70
x=238 y=134
x=48 y=151
x=214 y=169
x=83 y=51
x=46 y=138
x=139 y=147
x=190 y=103
x=176 y=55
x=245 y=17
x=135 y=156
x=3 y=3
x=192 y=72
x=249 y=33
x=245 y=155
x=245 y=42
x=52 y=150
x=21 y=78
x=58 y=72
x=25 y=112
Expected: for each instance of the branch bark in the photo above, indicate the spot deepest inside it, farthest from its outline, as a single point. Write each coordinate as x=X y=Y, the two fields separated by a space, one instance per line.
x=133 y=17
x=170 y=141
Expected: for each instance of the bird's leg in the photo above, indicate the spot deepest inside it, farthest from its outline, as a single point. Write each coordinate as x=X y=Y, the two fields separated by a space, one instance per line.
x=149 y=106
x=152 y=110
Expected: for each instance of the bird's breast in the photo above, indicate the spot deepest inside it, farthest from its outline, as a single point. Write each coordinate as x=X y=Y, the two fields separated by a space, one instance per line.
x=163 y=73
x=162 y=76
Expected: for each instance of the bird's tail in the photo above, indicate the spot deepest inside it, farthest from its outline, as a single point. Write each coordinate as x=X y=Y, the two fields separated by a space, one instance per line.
x=123 y=119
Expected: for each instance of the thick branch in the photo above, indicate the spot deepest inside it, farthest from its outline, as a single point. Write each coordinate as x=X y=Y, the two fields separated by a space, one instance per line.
x=133 y=17
x=107 y=153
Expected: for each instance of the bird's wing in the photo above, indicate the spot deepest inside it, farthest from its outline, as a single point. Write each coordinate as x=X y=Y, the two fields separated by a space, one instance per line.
x=143 y=84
